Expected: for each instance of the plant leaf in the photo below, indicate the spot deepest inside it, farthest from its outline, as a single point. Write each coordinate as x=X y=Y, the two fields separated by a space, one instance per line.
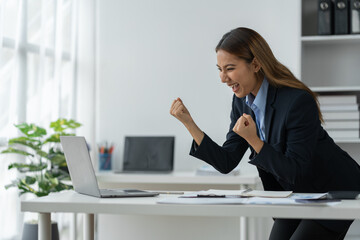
x=53 y=181
x=62 y=124
x=17 y=151
x=73 y=124
x=32 y=143
x=59 y=173
x=55 y=138
x=12 y=184
x=57 y=159
x=30 y=180
x=25 y=139
x=42 y=153
x=61 y=186
x=22 y=167
x=39 y=180
x=31 y=130
x=44 y=185
x=25 y=187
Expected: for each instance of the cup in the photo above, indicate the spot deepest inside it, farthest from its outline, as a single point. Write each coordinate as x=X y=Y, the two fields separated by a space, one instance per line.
x=105 y=161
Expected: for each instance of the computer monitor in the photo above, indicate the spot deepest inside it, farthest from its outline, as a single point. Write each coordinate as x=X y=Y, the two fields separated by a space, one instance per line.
x=148 y=154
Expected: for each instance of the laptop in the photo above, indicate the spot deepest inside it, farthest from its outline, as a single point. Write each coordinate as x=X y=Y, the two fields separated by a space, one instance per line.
x=148 y=154
x=82 y=172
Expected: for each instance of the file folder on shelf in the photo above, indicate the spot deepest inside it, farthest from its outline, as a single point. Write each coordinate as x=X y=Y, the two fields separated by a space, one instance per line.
x=341 y=17
x=354 y=16
x=325 y=17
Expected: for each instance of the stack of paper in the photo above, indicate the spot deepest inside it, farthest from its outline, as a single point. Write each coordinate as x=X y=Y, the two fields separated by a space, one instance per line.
x=308 y=196
x=247 y=197
x=341 y=115
x=237 y=193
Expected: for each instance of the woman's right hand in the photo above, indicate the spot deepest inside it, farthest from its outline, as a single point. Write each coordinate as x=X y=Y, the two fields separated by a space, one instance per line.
x=179 y=111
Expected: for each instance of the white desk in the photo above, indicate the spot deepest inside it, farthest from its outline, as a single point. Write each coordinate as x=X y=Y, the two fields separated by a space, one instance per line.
x=70 y=201
x=176 y=181
x=179 y=181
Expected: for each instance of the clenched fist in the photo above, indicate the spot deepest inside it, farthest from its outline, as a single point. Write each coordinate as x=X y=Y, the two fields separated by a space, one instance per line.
x=179 y=111
x=246 y=128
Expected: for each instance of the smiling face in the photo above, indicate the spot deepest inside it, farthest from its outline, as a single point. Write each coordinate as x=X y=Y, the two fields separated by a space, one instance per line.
x=238 y=74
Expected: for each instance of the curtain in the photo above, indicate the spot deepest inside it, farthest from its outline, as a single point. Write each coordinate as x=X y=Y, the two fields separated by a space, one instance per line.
x=42 y=78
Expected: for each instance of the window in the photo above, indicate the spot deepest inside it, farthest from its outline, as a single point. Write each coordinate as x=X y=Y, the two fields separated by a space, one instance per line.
x=37 y=56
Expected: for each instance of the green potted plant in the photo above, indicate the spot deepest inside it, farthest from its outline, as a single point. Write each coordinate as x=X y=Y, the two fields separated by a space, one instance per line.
x=45 y=169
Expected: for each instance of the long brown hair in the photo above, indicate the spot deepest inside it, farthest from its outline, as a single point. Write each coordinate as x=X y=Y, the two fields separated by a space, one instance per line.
x=247 y=44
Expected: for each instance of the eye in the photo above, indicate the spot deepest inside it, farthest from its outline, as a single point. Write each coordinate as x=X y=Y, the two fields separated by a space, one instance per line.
x=219 y=69
x=230 y=69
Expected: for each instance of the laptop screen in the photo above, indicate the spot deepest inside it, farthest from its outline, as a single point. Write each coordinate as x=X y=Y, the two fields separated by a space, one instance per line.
x=149 y=154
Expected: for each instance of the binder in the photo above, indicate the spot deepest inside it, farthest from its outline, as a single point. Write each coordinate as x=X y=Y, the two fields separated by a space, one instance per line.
x=354 y=16
x=337 y=99
x=350 y=115
x=341 y=17
x=345 y=133
x=342 y=125
x=325 y=17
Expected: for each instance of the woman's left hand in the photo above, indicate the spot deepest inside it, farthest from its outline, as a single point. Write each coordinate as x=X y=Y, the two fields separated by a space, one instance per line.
x=245 y=127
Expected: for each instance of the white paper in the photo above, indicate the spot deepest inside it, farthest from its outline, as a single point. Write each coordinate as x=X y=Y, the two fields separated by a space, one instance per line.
x=215 y=193
x=251 y=200
x=308 y=196
x=289 y=201
x=202 y=201
x=238 y=193
x=269 y=194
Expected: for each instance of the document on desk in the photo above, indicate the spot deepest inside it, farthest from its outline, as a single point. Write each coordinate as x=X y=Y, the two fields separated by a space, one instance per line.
x=237 y=194
x=248 y=196
x=202 y=201
x=249 y=200
x=290 y=201
x=309 y=196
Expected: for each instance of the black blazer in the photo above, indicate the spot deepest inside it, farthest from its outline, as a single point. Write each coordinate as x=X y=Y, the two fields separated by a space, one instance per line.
x=297 y=155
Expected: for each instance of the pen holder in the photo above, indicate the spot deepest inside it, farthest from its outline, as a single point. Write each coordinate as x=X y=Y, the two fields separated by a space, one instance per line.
x=104 y=161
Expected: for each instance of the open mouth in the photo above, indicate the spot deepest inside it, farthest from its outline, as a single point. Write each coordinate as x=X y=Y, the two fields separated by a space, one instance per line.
x=235 y=87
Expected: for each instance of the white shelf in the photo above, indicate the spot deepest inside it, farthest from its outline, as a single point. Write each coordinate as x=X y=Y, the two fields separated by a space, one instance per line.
x=336 y=39
x=347 y=140
x=336 y=88
x=329 y=63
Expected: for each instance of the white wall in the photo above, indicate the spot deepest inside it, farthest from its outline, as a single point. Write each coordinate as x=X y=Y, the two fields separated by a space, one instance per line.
x=150 y=52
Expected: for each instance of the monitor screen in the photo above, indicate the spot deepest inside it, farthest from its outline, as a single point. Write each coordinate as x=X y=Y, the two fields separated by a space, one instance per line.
x=149 y=154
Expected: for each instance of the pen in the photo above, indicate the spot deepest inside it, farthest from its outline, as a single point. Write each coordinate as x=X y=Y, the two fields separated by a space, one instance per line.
x=247 y=190
x=106 y=148
x=210 y=196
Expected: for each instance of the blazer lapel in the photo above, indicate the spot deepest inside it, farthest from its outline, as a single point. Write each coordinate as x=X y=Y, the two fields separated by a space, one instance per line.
x=269 y=110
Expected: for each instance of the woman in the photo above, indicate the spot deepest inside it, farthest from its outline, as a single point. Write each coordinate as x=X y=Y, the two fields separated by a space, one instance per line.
x=279 y=118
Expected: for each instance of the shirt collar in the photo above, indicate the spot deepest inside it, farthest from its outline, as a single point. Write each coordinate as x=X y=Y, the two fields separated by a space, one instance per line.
x=260 y=100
